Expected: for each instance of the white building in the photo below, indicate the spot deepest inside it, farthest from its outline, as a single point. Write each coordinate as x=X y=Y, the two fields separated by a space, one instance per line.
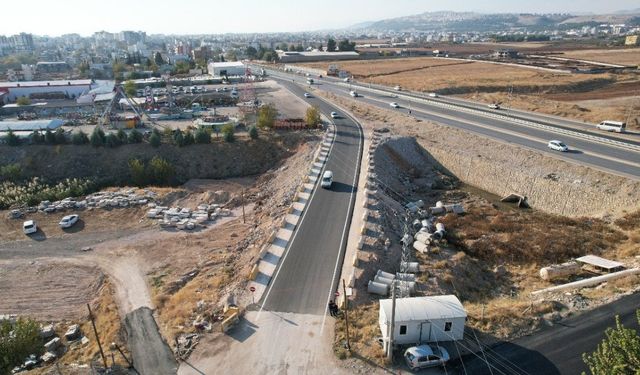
x=67 y=88
x=232 y=68
x=423 y=319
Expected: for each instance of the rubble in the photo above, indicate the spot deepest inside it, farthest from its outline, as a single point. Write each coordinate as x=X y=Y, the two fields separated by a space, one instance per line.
x=47 y=331
x=185 y=218
x=73 y=332
x=52 y=344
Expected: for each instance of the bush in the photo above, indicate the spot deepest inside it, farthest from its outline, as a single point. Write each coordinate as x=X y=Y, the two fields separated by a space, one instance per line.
x=618 y=353
x=36 y=137
x=112 y=140
x=79 y=138
x=227 y=133
x=137 y=172
x=178 y=138
x=203 y=136
x=188 y=138
x=17 y=342
x=49 y=137
x=267 y=115
x=97 y=138
x=11 y=139
x=10 y=172
x=160 y=171
x=59 y=137
x=34 y=191
x=135 y=136
x=23 y=101
x=253 y=132
x=122 y=136
x=155 y=140
x=312 y=117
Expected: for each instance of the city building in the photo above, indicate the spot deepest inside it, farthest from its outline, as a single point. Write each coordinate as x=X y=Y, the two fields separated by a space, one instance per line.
x=632 y=40
x=233 y=68
x=52 y=67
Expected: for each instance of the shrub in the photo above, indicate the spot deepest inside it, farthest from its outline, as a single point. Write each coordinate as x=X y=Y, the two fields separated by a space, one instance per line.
x=23 y=101
x=11 y=139
x=267 y=115
x=253 y=132
x=154 y=140
x=188 y=138
x=79 y=138
x=618 y=353
x=228 y=133
x=49 y=137
x=10 y=172
x=17 y=342
x=59 y=137
x=178 y=138
x=137 y=172
x=34 y=191
x=203 y=136
x=122 y=136
x=135 y=136
x=36 y=137
x=97 y=138
x=112 y=140
x=312 y=117
x=160 y=171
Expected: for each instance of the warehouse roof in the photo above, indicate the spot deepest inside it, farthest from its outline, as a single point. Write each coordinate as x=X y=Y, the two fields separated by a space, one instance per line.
x=30 y=125
x=424 y=308
x=228 y=64
x=69 y=82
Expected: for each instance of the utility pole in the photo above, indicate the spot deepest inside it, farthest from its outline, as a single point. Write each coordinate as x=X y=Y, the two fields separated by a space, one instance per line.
x=244 y=221
x=392 y=325
x=95 y=331
x=346 y=312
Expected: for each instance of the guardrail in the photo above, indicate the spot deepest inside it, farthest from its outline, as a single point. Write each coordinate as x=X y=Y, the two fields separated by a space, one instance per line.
x=527 y=123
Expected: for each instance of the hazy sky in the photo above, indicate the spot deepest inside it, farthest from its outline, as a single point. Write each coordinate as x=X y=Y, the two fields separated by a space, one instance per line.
x=56 y=17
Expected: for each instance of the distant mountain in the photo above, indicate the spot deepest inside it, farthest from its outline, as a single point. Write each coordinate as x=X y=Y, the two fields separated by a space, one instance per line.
x=361 y=25
x=470 y=21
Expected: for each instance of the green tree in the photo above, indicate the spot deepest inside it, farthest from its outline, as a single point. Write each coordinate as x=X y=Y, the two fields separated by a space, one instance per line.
x=331 y=45
x=253 y=132
x=11 y=138
x=188 y=138
x=228 y=133
x=97 y=137
x=137 y=172
x=231 y=55
x=618 y=353
x=345 y=45
x=130 y=88
x=23 y=100
x=36 y=137
x=178 y=138
x=122 y=136
x=299 y=48
x=155 y=140
x=291 y=47
x=203 y=136
x=17 y=342
x=267 y=115
x=60 y=137
x=157 y=58
x=79 y=138
x=182 y=67
x=312 y=117
x=270 y=56
x=112 y=140
x=134 y=136
x=49 y=137
x=10 y=172
x=251 y=52
x=160 y=171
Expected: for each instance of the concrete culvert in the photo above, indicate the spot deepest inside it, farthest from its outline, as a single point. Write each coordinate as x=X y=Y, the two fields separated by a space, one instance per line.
x=558 y=271
x=377 y=288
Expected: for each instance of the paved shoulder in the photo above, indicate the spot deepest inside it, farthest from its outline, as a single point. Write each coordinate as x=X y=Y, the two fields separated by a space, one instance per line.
x=151 y=354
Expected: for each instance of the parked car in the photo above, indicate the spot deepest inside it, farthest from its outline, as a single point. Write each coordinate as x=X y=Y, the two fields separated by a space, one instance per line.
x=307 y=95
x=558 y=146
x=335 y=115
x=494 y=106
x=327 y=180
x=433 y=95
x=394 y=105
x=68 y=221
x=347 y=79
x=29 y=227
x=424 y=356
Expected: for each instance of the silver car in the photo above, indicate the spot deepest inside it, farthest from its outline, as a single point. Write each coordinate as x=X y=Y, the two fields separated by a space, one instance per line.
x=558 y=146
x=68 y=221
x=424 y=356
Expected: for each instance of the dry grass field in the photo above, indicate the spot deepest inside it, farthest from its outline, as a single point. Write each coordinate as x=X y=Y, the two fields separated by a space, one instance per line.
x=627 y=56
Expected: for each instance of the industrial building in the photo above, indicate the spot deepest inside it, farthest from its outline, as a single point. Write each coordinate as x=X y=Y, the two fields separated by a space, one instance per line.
x=30 y=126
x=423 y=319
x=59 y=89
x=220 y=69
x=292 y=56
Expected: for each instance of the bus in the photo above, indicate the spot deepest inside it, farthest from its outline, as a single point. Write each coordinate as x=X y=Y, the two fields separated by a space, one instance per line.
x=612 y=126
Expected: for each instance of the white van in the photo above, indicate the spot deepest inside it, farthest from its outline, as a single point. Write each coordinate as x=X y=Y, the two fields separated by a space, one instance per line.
x=612 y=126
x=327 y=180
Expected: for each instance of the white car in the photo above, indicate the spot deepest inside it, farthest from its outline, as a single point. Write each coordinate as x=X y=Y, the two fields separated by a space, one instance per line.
x=334 y=115
x=424 y=356
x=354 y=94
x=433 y=95
x=394 y=105
x=68 y=221
x=327 y=180
x=558 y=146
x=347 y=79
x=29 y=227
x=307 y=95
x=494 y=106
x=398 y=88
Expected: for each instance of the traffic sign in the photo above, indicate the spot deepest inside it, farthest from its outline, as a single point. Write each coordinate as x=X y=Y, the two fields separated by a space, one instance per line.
x=252 y=289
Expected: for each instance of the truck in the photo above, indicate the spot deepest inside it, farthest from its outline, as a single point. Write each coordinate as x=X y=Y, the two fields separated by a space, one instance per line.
x=310 y=81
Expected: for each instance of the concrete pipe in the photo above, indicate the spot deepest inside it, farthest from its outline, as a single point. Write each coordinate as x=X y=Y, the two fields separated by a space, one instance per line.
x=420 y=247
x=377 y=288
x=557 y=271
x=417 y=224
x=439 y=204
x=410 y=266
x=437 y=210
x=385 y=274
x=410 y=285
x=437 y=235
x=383 y=280
x=423 y=237
x=405 y=276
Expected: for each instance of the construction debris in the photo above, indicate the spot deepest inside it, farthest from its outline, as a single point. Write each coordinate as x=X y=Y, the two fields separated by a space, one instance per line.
x=520 y=200
x=73 y=333
x=557 y=271
x=185 y=218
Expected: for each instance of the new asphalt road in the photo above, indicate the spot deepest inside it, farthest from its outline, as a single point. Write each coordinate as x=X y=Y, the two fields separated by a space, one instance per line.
x=584 y=149
x=307 y=274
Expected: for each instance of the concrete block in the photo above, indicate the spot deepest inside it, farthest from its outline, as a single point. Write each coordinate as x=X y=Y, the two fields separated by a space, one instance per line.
x=254 y=271
x=73 y=332
x=355 y=260
x=52 y=344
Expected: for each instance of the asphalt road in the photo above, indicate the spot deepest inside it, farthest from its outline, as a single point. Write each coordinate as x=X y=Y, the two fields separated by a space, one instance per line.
x=558 y=349
x=151 y=354
x=583 y=151
x=307 y=274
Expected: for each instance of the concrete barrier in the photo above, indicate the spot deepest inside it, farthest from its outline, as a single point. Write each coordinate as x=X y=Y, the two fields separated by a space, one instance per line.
x=254 y=271
x=263 y=250
x=361 y=243
x=272 y=237
x=354 y=262
x=363 y=229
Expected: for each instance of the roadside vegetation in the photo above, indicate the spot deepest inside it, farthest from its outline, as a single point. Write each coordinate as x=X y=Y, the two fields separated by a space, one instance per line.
x=35 y=190
x=17 y=342
x=618 y=353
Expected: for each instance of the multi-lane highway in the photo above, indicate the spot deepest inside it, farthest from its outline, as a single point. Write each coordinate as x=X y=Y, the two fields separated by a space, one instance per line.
x=307 y=274
x=534 y=131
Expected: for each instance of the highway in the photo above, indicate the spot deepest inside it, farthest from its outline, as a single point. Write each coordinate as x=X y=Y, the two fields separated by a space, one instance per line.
x=599 y=150
x=307 y=274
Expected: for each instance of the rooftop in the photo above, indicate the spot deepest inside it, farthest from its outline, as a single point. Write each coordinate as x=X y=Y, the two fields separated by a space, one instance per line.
x=70 y=82
x=227 y=64
x=319 y=53
x=30 y=125
x=424 y=308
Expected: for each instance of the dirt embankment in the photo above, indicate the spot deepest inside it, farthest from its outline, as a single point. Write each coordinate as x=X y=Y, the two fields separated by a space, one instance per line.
x=110 y=165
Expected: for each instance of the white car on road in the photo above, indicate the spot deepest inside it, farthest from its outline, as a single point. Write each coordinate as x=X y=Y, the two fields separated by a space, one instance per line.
x=433 y=95
x=354 y=94
x=29 y=227
x=394 y=105
x=558 y=146
x=307 y=95
x=327 y=180
x=494 y=106
x=335 y=115
x=68 y=221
